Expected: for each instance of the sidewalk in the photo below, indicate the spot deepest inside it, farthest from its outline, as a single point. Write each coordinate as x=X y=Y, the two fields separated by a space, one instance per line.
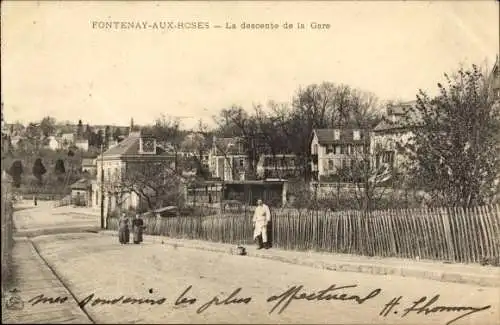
x=474 y=274
x=33 y=277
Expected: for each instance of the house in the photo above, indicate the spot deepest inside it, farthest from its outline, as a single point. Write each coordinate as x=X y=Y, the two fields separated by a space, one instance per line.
x=51 y=143
x=228 y=160
x=278 y=166
x=89 y=165
x=336 y=148
x=390 y=134
x=82 y=144
x=81 y=192
x=67 y=139
x=16 y=141
x=137 y=148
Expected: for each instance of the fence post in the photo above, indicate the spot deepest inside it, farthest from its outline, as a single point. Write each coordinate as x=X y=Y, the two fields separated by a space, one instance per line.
x=447 y=231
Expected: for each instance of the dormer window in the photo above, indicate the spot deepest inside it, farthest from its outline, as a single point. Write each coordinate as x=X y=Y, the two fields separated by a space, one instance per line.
x=336 y=134
x=147 y=146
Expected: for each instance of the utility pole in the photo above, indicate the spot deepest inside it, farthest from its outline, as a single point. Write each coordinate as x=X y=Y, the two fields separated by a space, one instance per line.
x=102 y=189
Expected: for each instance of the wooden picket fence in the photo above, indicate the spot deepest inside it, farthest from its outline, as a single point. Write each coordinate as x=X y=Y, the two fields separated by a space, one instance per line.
x=445 y=234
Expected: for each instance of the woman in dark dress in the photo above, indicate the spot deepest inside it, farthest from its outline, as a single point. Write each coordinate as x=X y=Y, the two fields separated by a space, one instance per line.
x=137 y=229
x=123 y=230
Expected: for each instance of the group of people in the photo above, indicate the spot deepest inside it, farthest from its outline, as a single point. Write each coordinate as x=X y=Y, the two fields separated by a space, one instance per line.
x=124 y=229
x=261 y=220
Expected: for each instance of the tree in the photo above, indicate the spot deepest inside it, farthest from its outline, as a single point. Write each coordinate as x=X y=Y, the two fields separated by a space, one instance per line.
x=157 y=183
x=16 y=171
x=99 y=140
x=455 y=143
x=167 y=132
x=79 y=129
x=117 y=134
x=107 y=136
x=87 y=133
x=39 y=170
x=48 y=126
x=59 y=169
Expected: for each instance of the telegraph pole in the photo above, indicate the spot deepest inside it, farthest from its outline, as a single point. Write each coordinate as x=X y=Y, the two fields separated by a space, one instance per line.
x=102 y=189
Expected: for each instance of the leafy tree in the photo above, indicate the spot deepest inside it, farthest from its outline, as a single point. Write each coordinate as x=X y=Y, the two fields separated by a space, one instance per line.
x=16 y=171
x=59 y=168
x=455 y=139
x=39 y=170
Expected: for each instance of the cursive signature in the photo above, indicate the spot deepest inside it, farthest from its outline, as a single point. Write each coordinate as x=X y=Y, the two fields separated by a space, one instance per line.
x=428 y=308
x=327 y=294
x=231 y=299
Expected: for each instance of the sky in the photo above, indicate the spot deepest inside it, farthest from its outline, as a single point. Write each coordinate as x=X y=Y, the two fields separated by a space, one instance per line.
x=58 y=61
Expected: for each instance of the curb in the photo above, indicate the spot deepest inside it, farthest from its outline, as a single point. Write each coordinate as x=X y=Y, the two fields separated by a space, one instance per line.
x=491 y=280
x=67 y=313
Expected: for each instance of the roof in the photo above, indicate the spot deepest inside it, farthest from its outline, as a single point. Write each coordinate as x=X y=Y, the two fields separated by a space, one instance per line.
x=130 y=147
x=229 y=146
x=81 y=184
x=327 y=136
x=397 y=111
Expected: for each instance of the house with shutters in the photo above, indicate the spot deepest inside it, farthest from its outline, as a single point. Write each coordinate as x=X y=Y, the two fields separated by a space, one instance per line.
x=335 y=149
x=113 y=164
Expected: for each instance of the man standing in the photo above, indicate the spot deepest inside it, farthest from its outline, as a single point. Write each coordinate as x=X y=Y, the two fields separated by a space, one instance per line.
x=261 y=218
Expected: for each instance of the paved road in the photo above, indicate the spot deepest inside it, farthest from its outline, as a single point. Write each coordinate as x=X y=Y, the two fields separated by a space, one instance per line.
x=97 y=264
x=44 y=218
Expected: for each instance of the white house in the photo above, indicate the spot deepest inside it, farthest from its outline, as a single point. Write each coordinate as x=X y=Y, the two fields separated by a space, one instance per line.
x=334 y=149
x=136 y=148
x=227 y=159
x=89 y=165
x=68 y=138
x=278 y=166
x=82 y=144
x=52 y=143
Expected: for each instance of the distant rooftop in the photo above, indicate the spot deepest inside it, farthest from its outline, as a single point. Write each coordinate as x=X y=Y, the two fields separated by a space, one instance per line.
x=327 y=136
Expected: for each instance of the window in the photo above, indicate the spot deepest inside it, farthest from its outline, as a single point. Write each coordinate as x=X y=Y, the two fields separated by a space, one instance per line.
x=336 y=134
x=356 y=135
x=292 y=162
x=337 y=149
x=241 y=162
x=315 y=149
x=329 y=148
x=330 y=164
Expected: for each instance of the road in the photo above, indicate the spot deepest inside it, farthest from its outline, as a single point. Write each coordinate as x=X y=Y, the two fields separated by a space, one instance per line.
x=97 y=264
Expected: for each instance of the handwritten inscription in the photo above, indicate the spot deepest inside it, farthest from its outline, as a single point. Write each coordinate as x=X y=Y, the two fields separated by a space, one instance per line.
x=291 y=294
x=231 y=299
x=41 y=299
x=430 y=308
x=280 y=302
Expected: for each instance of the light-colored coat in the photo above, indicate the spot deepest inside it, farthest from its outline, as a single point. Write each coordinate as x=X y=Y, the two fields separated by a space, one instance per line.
x=261 y=217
